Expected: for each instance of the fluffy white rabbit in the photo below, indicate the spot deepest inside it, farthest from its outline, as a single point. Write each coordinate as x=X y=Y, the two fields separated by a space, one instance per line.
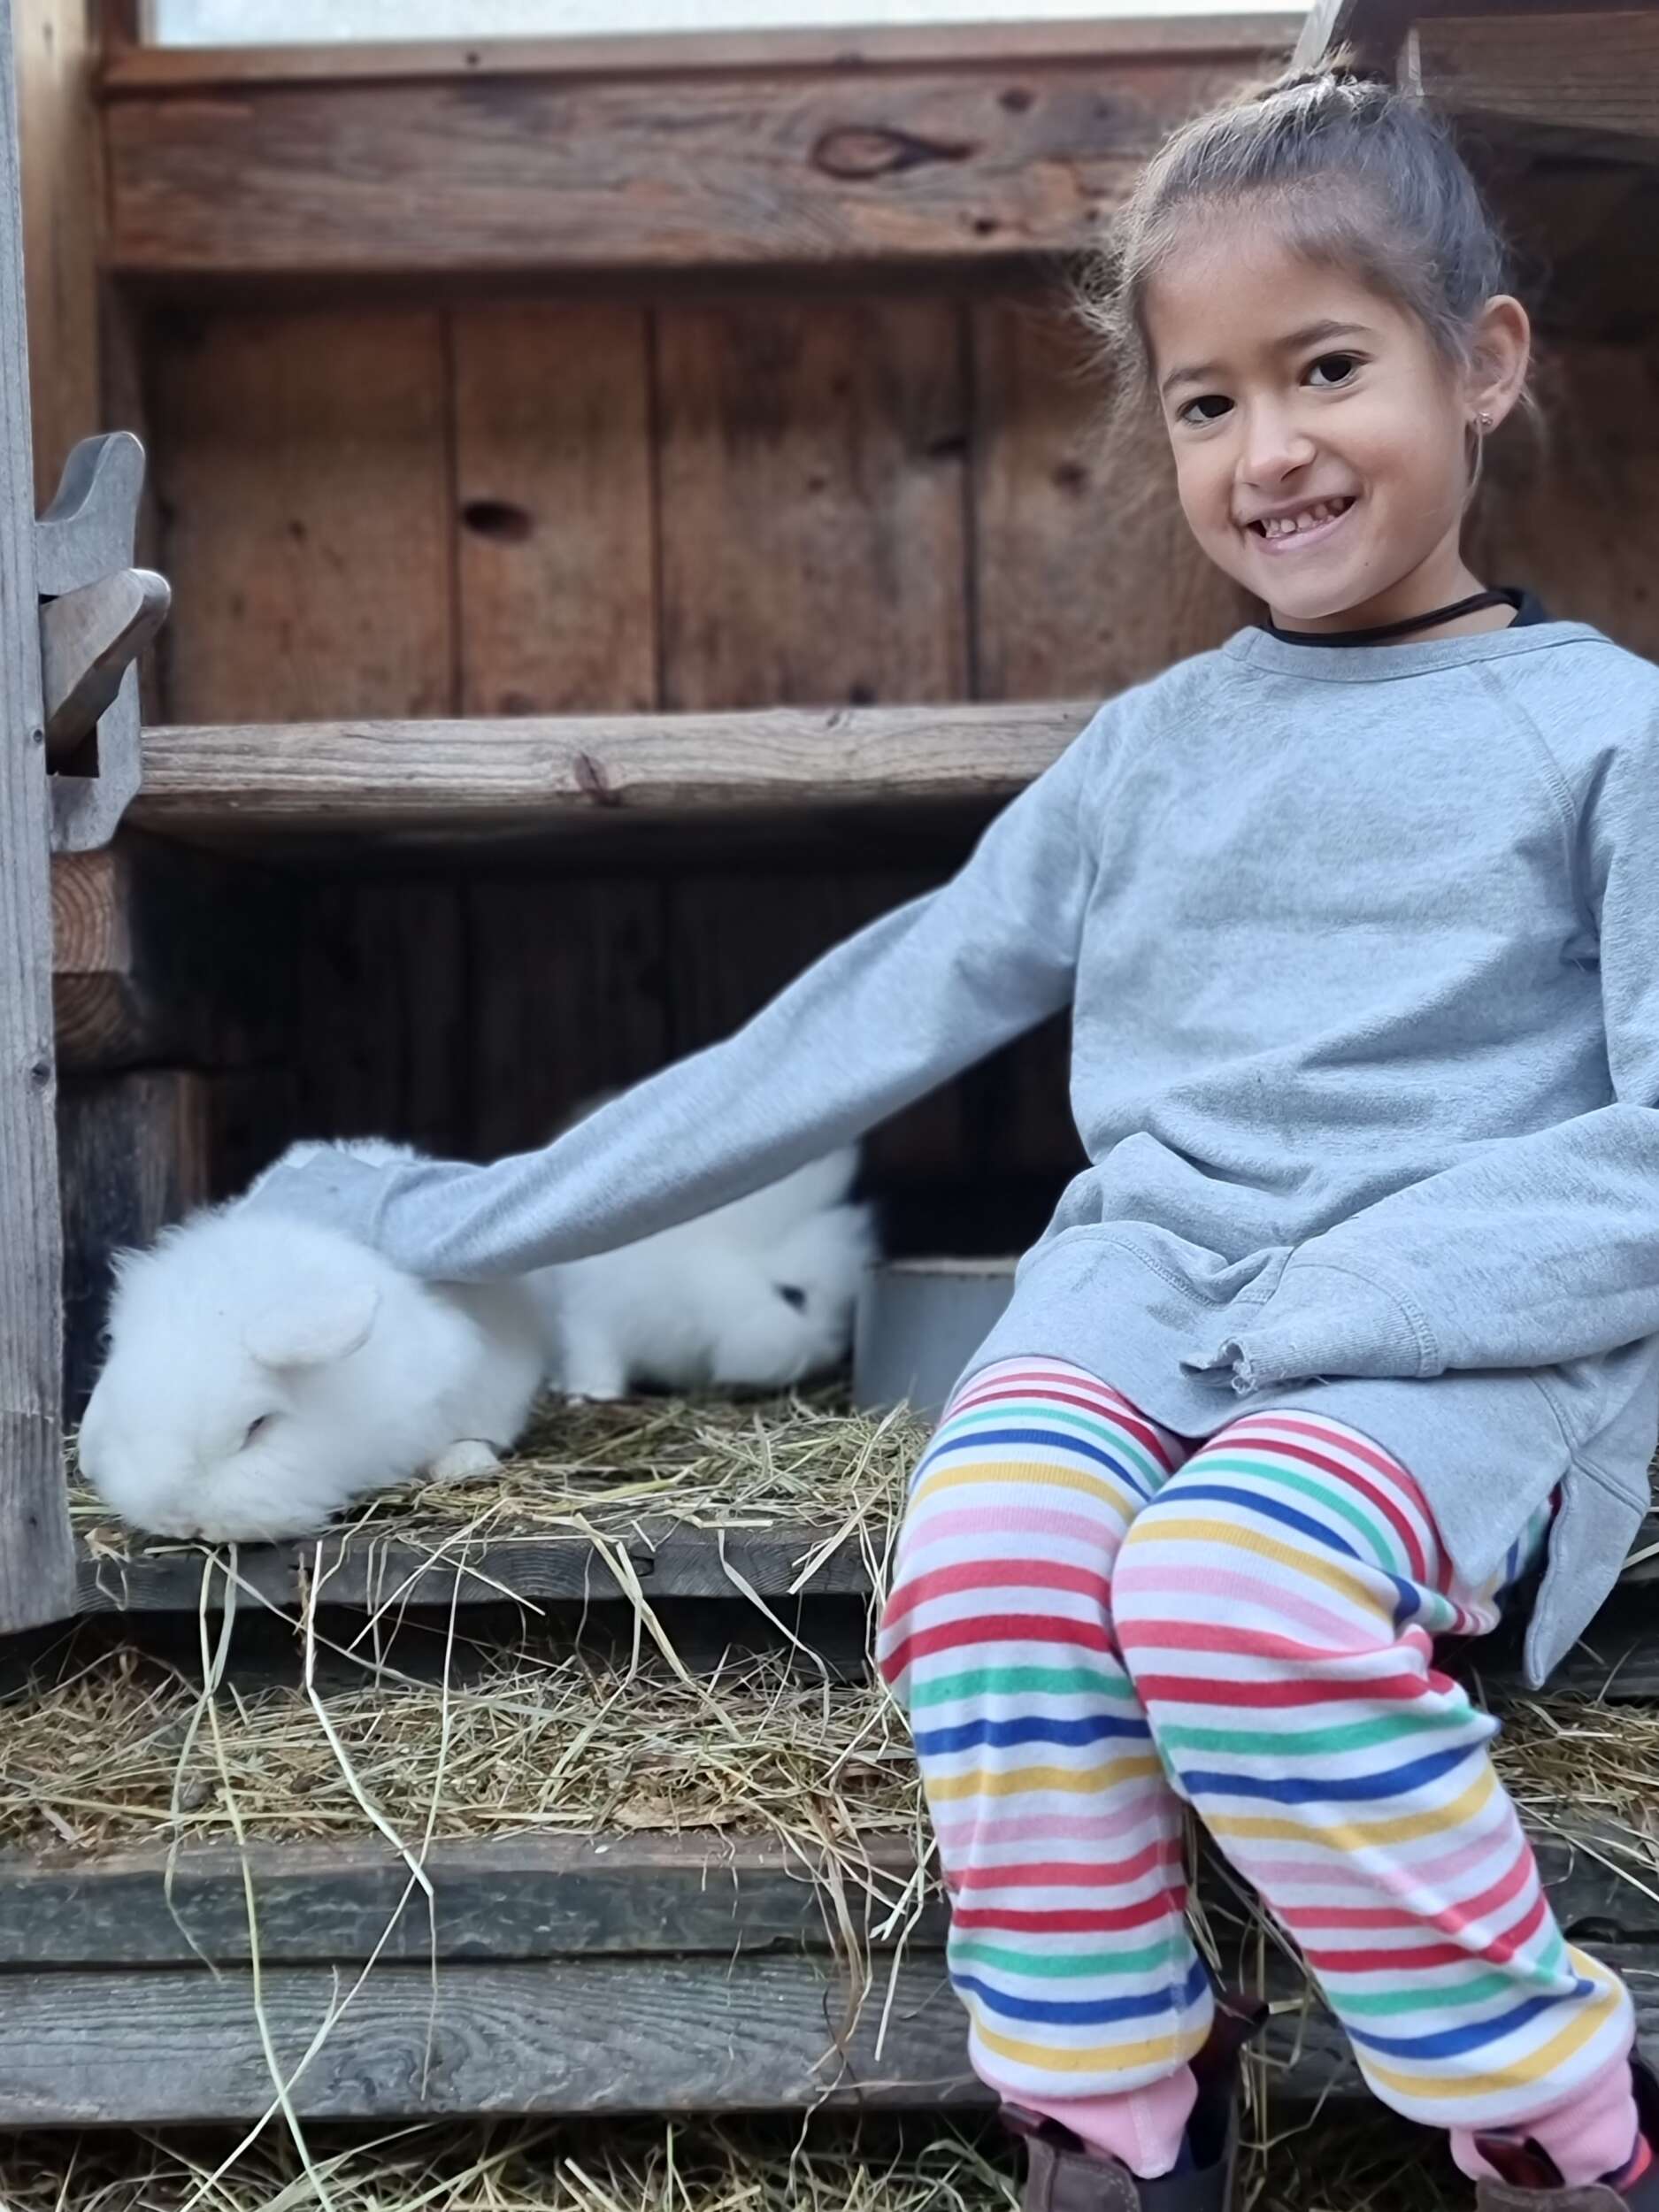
x=263 y=1372
x=758 y=1292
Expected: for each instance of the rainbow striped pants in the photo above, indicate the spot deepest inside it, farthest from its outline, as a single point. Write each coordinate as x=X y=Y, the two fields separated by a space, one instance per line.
x=1095 y=1621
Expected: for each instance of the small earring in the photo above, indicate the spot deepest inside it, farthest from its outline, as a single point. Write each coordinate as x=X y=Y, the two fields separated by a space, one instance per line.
x=1483 y=422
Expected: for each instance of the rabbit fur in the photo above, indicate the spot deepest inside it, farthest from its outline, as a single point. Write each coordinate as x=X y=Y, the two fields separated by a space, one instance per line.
x=263 y=1372
x=759 y=1292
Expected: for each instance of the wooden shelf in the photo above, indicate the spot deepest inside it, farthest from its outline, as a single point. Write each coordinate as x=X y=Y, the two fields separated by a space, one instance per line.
x=443 y=780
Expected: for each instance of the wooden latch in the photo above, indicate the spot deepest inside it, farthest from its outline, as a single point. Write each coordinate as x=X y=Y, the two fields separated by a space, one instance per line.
x=97 y=614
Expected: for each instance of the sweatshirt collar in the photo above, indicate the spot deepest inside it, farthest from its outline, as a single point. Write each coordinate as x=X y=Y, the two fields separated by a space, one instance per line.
x=1381 y=664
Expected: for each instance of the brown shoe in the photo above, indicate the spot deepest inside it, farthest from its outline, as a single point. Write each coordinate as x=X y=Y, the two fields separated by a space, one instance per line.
x=1532 y=2183
x=1062 y=2176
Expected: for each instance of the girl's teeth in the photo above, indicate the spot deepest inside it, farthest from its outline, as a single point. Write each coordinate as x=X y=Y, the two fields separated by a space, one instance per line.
x=1287 y=526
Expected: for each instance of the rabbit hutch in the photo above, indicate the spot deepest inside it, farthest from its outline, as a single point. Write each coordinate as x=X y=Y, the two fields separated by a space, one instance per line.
x=632 y=509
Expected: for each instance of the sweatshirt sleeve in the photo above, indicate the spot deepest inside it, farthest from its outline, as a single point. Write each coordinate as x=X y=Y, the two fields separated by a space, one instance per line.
x=896 y=1010
x=1544 y=1247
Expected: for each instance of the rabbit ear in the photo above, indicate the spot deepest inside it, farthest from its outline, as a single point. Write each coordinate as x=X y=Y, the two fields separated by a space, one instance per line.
x=310 y=1331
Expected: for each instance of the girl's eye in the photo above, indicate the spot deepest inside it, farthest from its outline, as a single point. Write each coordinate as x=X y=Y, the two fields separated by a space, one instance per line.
x=254 y=1427
x=1332 y=369
x=1210 y=408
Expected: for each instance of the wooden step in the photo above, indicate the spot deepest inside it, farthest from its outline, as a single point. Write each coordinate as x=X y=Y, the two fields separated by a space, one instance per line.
x=587 y=775
x=549 y=1975
x=389 y=1564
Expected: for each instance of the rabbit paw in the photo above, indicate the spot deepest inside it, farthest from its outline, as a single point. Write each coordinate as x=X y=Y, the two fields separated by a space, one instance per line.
x=463 y=1461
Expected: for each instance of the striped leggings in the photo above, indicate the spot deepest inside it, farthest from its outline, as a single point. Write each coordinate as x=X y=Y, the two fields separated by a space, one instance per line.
x=1095 y=1620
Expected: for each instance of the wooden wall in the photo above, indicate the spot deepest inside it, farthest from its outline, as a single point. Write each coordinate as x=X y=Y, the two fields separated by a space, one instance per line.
x=545 y=506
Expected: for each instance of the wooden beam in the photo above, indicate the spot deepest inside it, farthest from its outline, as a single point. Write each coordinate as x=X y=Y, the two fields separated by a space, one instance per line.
x=59 y=127
x=36 y=1555
x=132 y=69
x=547 y=171
x=1572 y=83
x=531 y=773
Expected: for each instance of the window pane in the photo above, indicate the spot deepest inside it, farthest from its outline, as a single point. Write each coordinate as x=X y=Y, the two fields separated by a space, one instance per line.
x=308 y=22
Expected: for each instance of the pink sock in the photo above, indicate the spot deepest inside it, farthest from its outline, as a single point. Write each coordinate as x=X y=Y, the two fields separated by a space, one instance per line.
x=1588 y=2135
x=1142 y=2128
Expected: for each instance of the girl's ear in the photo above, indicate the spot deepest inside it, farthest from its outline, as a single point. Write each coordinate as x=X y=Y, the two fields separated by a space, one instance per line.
x=1499 y=353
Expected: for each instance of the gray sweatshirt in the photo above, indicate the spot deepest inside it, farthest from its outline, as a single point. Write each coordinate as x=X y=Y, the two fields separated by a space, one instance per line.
x=1363 y=950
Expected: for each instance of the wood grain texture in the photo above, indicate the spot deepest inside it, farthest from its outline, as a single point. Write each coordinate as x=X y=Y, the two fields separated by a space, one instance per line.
x=1576 y=81
x=1542 y=515
x=36 y=1559
x=301 y=484
x=133 y=1156
x=811 y=461
x=519 y=774
x=533 y=1896
x=1087 y=577
x=553 y=503
x=604 y=2036
x=549 y=1896
x=697 y=171
x=59 y=130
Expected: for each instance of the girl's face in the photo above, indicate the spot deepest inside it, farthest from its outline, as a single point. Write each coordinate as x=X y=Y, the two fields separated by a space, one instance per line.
x=1320 y=441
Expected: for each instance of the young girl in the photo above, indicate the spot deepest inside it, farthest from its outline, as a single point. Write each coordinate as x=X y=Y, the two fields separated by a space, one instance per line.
x=1355 y=1316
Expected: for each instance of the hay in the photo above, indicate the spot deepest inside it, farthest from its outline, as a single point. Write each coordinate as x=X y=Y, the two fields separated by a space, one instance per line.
x=1335 y=2164
x=801 y=1461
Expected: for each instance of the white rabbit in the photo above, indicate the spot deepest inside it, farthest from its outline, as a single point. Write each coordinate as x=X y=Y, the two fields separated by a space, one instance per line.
x=759 y=1292
x=263 y=1372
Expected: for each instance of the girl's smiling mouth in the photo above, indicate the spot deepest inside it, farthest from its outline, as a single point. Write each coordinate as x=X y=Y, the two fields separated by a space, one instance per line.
x=1292 y=527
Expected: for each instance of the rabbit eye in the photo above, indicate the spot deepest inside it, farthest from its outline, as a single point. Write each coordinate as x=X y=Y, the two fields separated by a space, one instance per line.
x=254 y=1427
x=792 y=1294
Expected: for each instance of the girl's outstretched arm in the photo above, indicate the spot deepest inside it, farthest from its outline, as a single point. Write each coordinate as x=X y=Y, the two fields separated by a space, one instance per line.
x=895 y=1011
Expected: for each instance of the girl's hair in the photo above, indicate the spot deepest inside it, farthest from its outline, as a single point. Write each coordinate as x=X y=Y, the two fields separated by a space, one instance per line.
x=1356 y=174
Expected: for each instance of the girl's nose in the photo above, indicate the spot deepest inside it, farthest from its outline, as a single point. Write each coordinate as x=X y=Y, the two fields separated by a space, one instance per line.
x=1274 y=446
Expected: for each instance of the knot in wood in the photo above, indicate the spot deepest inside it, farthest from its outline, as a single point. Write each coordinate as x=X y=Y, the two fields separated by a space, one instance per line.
x=856 y=152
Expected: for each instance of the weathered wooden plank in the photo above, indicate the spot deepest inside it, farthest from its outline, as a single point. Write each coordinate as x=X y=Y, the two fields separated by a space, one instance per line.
x=304 y=487
x=603 y=2037
x=434 y=1567
x=59 y=131
x=36 y=1559
x=1576 y=81
x=1086 y=575
x=520 y=1898
x=811 y=457
x=554 y=506
x=547 y=172
x=144 y=971
x=508 y=1898
x=1238 y=39
x=133 y=1155
x=441 y=777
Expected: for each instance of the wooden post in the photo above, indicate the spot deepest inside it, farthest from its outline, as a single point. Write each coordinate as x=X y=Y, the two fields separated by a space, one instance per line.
x=36 y=1555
